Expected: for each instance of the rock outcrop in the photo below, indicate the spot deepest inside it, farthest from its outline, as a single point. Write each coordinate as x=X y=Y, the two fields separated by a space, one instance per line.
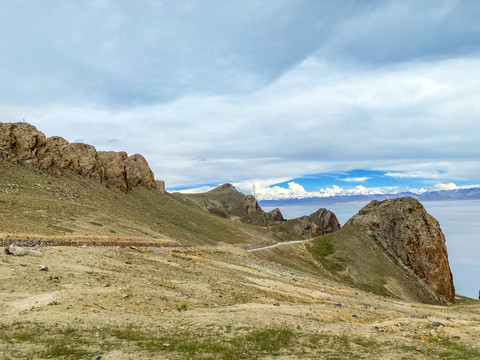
x=275 y=216
x=160 y=186
x=306 y=229
x=23 y=143
x=325 y=219
x=409 y=234
x=232 y=201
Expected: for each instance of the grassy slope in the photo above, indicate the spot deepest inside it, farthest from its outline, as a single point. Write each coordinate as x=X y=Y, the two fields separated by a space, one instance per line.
x=357 y=259
x=70 y=206
x=36 y=203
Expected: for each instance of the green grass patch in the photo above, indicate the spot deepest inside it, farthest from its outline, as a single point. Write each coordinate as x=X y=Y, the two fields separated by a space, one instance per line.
x=215 y=342
x=323 y=250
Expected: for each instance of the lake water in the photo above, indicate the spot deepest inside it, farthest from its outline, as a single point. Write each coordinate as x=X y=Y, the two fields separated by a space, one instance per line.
x=459 y=220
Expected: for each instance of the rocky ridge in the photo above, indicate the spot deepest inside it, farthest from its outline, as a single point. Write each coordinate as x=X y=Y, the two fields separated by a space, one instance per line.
x=22 y=143
x=412 y=236
x=226 y=201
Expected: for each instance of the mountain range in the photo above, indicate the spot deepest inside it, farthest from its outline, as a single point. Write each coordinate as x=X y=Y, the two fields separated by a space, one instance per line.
x=458 y=194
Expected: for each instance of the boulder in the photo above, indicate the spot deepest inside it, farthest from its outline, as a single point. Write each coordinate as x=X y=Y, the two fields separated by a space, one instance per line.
x=412 y=236
x=15 y=250
x=325 y=219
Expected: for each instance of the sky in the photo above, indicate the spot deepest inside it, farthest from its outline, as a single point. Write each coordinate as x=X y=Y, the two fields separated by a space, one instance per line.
x=285 y=98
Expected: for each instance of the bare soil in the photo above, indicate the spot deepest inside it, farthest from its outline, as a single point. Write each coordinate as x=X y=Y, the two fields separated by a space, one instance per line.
x=210 y=302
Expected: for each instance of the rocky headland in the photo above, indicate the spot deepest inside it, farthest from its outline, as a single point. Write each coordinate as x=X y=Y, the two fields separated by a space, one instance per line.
x=412 y=236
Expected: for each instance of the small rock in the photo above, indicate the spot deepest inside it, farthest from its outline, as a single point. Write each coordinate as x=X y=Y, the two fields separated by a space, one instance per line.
x=43 y=268
x=98 y=357
x=437 y=324
x=355 y=316
x=388 y=342
x=156 y=250
x=15 y=352
x=87 y=284
x=339 y=304
x=133 y=247
x=128 y=262
x=166 y=345
x=15 y=250
x=379 y=328
x=276 y=303
x=53 y=278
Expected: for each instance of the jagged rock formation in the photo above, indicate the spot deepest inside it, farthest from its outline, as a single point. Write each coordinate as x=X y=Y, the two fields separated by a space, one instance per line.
x=160 y=186
x=325 y=219
x=409 y=234
x=275 y=216
x=306 y=229
x=23 y=143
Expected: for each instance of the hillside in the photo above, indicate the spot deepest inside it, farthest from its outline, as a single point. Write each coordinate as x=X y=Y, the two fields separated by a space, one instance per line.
x=211 y=303
x=347 y=294
x=38 y=204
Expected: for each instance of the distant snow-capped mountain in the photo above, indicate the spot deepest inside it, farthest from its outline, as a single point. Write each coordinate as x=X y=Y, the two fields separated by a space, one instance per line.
x=459 y=194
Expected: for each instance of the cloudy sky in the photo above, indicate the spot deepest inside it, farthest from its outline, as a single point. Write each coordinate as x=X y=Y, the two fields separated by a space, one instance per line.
x=282 y=98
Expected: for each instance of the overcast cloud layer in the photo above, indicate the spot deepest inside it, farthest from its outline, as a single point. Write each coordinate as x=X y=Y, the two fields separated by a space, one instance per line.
x=253 y=92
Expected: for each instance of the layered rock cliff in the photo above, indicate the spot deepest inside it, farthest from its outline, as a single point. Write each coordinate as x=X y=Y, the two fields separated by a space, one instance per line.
x=22 y=143
x=412 y=236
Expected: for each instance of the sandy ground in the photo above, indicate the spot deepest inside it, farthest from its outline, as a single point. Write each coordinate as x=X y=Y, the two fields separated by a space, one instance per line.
x=223 y=292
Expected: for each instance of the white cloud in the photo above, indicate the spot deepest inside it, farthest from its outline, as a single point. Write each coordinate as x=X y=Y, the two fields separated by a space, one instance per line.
x=414 y=174
x=452 y=186
x=356 y=179
x=297 y=191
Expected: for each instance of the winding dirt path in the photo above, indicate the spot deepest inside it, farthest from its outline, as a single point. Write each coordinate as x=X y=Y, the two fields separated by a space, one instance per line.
x=278 y=244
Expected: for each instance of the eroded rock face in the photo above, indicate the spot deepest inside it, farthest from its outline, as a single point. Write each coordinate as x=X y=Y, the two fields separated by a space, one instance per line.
x=138 y=172
x=275 y=215
x=250 y=204
x=407 y=232
x=113 y=173
x=160 y=186
x=306 y=229
x=23 y=143
x=326 y=219
x=19 y=142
